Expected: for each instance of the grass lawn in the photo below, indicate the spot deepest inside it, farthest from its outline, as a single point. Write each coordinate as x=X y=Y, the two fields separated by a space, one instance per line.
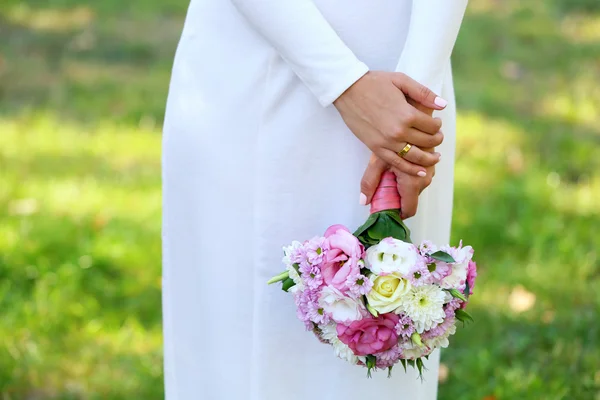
x=82 y=92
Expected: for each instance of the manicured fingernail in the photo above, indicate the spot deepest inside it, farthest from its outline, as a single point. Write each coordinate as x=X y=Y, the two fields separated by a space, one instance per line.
x=362 y=200
x=440 y=102
x=422 y=174
x=439 y=156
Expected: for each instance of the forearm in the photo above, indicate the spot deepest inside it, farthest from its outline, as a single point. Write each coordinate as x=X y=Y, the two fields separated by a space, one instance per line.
x=304 y=38
x=434 y=27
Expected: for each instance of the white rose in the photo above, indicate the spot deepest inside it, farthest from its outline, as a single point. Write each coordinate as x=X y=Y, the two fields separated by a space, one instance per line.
x=391 y=255
x=387 y=293
x=459 y=269
x=342 y=309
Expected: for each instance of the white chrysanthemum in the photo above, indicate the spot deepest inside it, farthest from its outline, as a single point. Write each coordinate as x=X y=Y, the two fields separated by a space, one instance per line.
x=424 y=305
x=441 y=341
x=296 y=278
x=329 y=333
x=288 y=251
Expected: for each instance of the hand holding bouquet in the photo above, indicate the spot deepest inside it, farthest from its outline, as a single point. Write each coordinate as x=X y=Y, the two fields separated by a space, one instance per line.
x=374 y=296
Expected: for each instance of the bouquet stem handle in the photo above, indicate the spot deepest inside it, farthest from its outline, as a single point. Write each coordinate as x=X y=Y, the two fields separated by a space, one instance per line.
x=386 y=195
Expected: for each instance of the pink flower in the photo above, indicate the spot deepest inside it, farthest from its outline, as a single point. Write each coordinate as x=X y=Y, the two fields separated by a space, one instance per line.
x=471 y=275
x=358 y=285
x=341 y=260
x=315 y=250
x=370 y=335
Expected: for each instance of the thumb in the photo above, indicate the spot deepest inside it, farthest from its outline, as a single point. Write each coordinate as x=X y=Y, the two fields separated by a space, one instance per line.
x=419 y=93
x=371 y=178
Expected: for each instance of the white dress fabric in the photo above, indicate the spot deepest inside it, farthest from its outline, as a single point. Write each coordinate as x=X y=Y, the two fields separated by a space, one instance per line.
x=255 y=156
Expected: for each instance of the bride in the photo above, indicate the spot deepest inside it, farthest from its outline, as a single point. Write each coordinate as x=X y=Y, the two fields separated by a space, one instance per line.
x=275 y=110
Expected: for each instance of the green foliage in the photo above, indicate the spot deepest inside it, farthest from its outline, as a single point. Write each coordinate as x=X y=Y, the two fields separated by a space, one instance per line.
x=82 y=92
x=380 y=225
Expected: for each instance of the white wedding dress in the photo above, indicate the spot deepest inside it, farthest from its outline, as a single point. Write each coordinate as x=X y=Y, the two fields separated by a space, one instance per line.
x=254 y=156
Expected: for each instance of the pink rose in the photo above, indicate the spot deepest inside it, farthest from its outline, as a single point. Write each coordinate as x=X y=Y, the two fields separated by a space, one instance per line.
x=370 y=335
x=341 y=260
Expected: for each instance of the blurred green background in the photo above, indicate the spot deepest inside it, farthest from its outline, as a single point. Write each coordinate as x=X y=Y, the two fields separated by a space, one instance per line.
x=82 y=93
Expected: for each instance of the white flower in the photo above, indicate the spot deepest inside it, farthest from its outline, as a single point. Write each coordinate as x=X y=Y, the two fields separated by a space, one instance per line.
x=459 y=269
x=424 y=305
x=341 y=308
x=412 y=351
x=441 y=341
x=391 y=255
x=329 y=333
x=299 y=284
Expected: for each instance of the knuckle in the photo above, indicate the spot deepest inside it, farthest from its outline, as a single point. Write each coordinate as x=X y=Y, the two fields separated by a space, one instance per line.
x=437 y=139
x=424 y=91
x=397 y=163
x=366 y=185
x=410 y=117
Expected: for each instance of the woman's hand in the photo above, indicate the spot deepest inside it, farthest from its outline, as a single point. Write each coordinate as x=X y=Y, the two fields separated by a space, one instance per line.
x=409 y=187
x=376 y=110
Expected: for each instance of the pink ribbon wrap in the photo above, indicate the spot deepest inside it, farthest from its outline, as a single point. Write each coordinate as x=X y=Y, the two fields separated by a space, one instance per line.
x=386 y=195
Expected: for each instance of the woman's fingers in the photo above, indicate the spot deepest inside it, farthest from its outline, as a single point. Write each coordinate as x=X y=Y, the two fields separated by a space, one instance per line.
x=423 y=158
x=424 y=140
x=409 y=198
x=408 y=187
x=424 y=122
x=371 y=178
x=418 y=92
x=393 y=160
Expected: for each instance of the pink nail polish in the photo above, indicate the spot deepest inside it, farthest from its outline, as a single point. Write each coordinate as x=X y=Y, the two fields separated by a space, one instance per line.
x=422 y=174
x=440 y=102
x=362 y=200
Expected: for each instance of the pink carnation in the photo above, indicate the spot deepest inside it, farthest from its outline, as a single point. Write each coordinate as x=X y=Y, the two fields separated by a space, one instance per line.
x=370 y=335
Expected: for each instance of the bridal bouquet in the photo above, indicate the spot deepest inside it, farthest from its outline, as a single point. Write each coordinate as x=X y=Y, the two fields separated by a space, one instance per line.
x=375 y=297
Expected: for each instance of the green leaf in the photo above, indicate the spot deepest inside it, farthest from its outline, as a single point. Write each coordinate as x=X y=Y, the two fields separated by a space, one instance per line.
x=287 y=284
x=371 y=362
x=381 y=229
x=281 y=277
x=372 y=310
x=420 y=367
x=455 y=293
x=411 y=363
x=390 y=371
x=443 y=256
x=463 y=316
x=395 y=215
x=467 y=290
x=368 y=223
x=403 y=361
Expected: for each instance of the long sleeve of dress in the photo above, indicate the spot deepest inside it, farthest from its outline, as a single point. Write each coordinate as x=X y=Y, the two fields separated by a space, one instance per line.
x=304 y=38
x=434 y=26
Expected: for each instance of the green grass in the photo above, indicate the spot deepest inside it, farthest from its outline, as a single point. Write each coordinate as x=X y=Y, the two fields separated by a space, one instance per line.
x=82 y=91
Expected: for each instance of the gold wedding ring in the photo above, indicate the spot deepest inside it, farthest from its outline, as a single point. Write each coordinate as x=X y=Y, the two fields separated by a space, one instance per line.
x=405 y=150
